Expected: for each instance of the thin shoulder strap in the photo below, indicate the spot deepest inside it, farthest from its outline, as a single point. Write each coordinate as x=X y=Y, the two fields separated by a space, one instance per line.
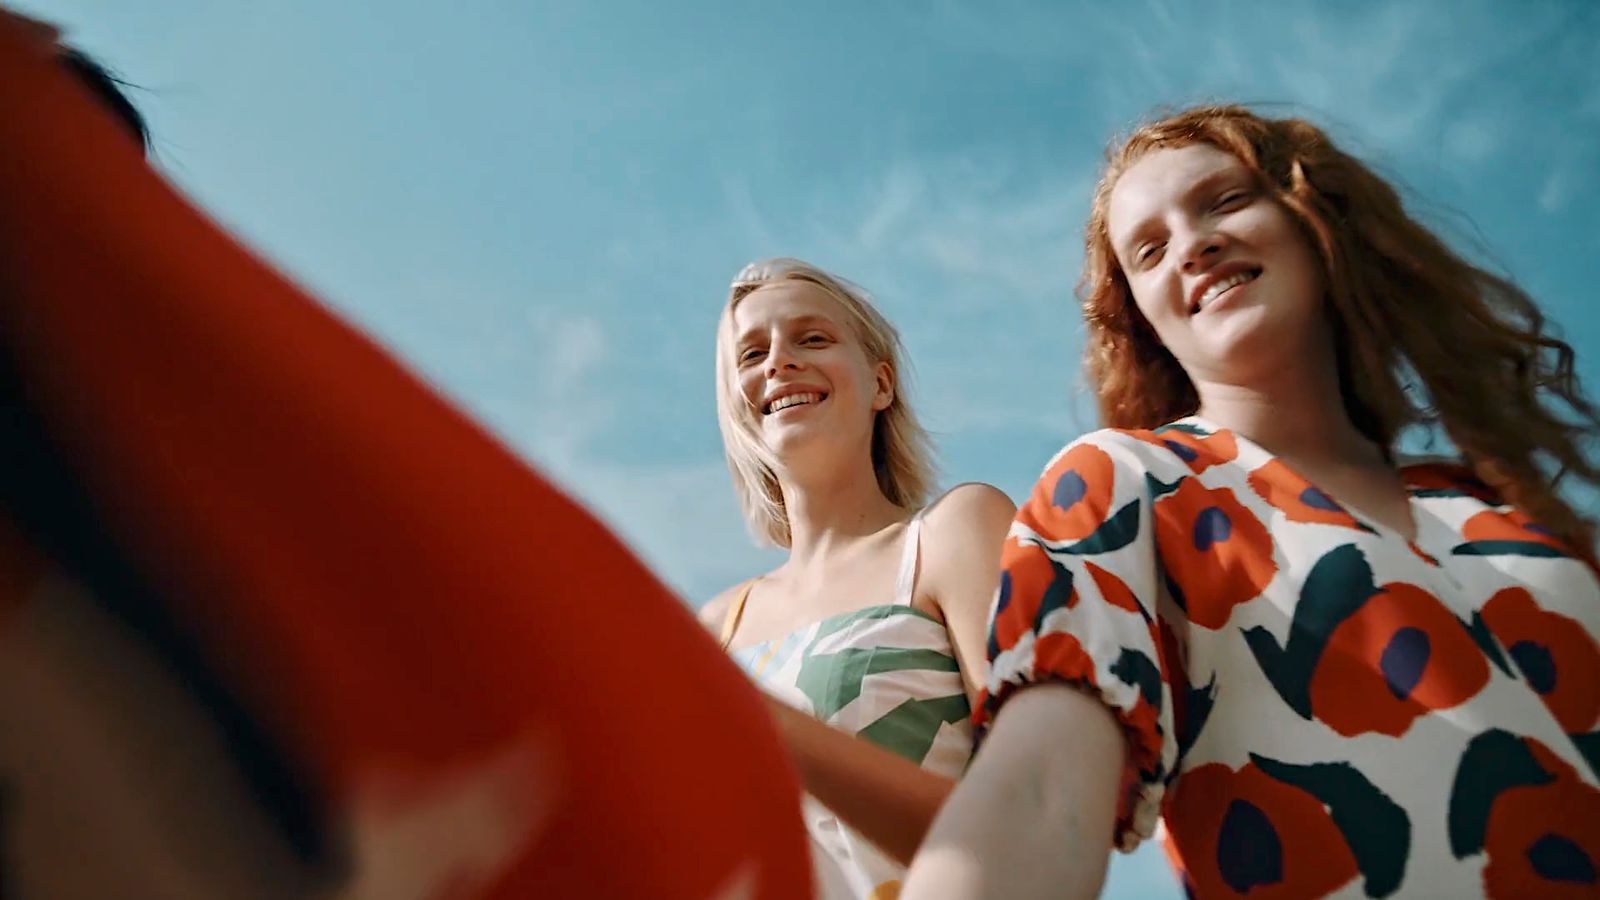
x=905 y=584
x=730 y=623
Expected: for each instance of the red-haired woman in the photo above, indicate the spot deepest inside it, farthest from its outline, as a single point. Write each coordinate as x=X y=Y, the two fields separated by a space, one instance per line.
x=1327 y=670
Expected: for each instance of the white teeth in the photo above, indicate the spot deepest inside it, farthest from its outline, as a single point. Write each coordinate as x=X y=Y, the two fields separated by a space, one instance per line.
x=794 y=400
x=1233 y=280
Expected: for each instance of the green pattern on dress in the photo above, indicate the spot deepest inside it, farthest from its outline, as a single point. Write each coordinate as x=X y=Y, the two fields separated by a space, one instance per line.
x=910 y=728
x=832 y=681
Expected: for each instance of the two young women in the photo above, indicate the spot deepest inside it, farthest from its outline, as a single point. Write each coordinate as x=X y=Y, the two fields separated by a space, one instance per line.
x=1237 y=609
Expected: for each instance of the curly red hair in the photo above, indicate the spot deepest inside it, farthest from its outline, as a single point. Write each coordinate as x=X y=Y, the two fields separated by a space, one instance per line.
x=1406 y=310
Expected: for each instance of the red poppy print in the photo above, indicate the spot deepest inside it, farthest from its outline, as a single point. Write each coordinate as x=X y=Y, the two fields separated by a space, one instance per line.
x=1199 y=450
x=1073 y=497
x=1544 y=841
x=1557 y=657
x=1373 y=693
x=1397 y=657
x=1244 y=833
x=1530 y=813
x=1277 y=829
x=1146 y=667
x=1058 y=656
x=1508 y=533
x=1447 y=480
x=1298 y=499
x=1191 y=706
x=1217 y=555
x=1422 y=554
x=1032 y=585
x=1113 y=589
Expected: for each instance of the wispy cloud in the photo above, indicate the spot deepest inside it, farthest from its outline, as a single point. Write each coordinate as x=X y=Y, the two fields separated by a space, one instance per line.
x=972 y=243
x=563 y=412
x=974 y=255
x=1557 y=191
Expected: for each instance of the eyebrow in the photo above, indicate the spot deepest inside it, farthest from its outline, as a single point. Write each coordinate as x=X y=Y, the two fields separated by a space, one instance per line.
x=809 y=320
x=1205 y=184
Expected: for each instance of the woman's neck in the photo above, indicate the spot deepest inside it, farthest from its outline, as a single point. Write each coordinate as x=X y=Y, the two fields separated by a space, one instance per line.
x=833 y=508
x=1300 y=414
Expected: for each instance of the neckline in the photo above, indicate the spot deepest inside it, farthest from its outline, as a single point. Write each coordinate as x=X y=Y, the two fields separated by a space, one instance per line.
x=1366 y=519
x=887 y=608
x=904 y=587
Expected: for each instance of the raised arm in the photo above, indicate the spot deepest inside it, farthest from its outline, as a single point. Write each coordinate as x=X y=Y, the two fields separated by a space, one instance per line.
x=1034 y=815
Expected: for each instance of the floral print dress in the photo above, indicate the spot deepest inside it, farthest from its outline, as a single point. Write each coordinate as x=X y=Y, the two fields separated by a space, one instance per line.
x=1314 y=704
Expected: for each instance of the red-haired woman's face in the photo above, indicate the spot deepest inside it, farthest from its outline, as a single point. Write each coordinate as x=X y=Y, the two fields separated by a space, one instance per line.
x=1220 y=269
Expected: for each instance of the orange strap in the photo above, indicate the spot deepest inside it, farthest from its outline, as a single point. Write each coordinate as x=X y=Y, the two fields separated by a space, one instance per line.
x=730 y=622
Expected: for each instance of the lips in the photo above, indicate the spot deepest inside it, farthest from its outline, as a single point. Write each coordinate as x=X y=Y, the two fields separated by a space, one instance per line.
x=791 y=397
x=1218 y=282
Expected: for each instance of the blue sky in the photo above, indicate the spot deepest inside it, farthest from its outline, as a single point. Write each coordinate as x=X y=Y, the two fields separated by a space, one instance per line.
x=539 y=206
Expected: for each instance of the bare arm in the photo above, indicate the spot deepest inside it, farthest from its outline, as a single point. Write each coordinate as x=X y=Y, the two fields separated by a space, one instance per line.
x=1034 y=815
x=961 y=565
x=887 y=798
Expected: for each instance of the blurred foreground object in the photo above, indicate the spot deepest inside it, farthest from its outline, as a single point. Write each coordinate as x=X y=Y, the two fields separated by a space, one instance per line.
x=276 y=621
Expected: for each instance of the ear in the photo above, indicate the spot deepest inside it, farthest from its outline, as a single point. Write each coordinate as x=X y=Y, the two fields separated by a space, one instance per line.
x=883 y=386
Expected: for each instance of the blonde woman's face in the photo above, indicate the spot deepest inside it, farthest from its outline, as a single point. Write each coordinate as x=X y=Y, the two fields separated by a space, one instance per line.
x=803 y=370
x=1220 y=269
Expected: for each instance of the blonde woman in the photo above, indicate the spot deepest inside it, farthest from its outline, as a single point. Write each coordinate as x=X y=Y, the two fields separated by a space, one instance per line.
x=876 y=622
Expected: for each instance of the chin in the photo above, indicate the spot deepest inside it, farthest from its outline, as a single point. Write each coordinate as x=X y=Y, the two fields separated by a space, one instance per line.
x=783 y=441
x=1248 y=354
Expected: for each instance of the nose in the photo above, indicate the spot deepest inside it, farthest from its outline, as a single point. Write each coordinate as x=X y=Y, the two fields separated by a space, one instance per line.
x=780 y=358
x=1200 y=250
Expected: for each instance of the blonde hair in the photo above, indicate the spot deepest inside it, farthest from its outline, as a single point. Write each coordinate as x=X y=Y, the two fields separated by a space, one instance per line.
x=902 y=455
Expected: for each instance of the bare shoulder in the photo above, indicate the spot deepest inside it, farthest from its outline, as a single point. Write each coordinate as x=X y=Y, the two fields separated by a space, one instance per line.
x=715 y=610
x=966 y=525
x=962 y=537
x=973 y=507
